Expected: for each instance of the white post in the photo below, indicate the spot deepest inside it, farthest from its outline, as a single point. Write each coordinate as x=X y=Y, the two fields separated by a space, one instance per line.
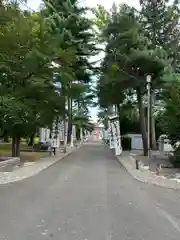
x=61 y=131
x=111 y=142
x=74 y=135
x=41 y=135
x=105 y=135
x=65 y=135
x=109 y=134
x=114 y=142
x=85 y=133
x=81 y=135
x=148 y=79
x=72 y=140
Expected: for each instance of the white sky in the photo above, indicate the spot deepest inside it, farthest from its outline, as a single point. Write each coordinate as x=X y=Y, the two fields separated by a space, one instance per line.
x=108 y=3
x=34 y=4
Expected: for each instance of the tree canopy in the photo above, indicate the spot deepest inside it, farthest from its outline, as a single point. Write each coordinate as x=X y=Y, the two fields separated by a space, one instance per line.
x=137 y=44
x=44 y=63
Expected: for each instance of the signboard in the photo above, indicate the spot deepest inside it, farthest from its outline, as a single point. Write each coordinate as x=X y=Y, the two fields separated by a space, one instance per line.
x=111 y=137
x=114 y=136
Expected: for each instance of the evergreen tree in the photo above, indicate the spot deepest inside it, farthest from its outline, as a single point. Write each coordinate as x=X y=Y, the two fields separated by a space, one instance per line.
x=80 y=40
x=127 y=61
x=160 y=19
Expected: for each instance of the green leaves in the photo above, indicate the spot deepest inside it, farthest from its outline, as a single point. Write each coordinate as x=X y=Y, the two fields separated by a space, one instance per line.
x=147 y=62
x=81 y=120
x=101 y=17
x=29 y=99
x=128 y=58
x=34 y=47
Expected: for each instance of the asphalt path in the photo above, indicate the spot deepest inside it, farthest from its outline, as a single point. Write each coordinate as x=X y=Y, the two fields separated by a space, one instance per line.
x=88 y=196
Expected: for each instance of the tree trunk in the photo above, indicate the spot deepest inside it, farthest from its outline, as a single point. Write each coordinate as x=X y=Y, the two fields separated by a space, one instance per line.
x=153 y=134
x=13 y=146
x=31 y=141
x=69 y=120
x=78 y=133
x=78 y=103
x=142 y=121
x=65 y=123
x=153 y=131
x=18 y=146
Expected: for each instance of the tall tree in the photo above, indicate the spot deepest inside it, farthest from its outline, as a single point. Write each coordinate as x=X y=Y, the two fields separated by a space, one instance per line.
x=128 y=59
x=160 y=20
x=161 y=26
x=29 y=98
x=80 y=40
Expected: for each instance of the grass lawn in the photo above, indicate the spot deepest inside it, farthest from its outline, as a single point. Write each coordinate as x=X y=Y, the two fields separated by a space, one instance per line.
x=26 y=156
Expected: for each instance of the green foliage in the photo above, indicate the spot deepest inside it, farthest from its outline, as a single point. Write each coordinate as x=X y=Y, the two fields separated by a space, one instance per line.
x=81 y=120
x=101 y=17
x=129 y=58
x=129 y=119
x=160 y=20
x=169 y=118
x=138 y=44
x=26 y=74
x=80 y=40
x=39 y=51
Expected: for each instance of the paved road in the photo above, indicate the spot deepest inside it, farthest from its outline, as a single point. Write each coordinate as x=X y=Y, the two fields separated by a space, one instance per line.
x=88 y=196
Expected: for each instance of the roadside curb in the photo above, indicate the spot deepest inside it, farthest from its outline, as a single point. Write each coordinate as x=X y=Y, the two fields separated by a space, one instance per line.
x=146 y=176
x=30 y=171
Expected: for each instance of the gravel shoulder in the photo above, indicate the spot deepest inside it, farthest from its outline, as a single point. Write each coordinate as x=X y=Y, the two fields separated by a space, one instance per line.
x=30 y=169
x=146 y=176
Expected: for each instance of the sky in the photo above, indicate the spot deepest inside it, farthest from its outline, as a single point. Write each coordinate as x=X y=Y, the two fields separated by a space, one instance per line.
x=34 y=4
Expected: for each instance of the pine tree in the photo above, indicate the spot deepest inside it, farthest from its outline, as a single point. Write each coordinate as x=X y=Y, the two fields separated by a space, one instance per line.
x=127 y=61
x=160 y=19
x=79 y=39
x=153 y=19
